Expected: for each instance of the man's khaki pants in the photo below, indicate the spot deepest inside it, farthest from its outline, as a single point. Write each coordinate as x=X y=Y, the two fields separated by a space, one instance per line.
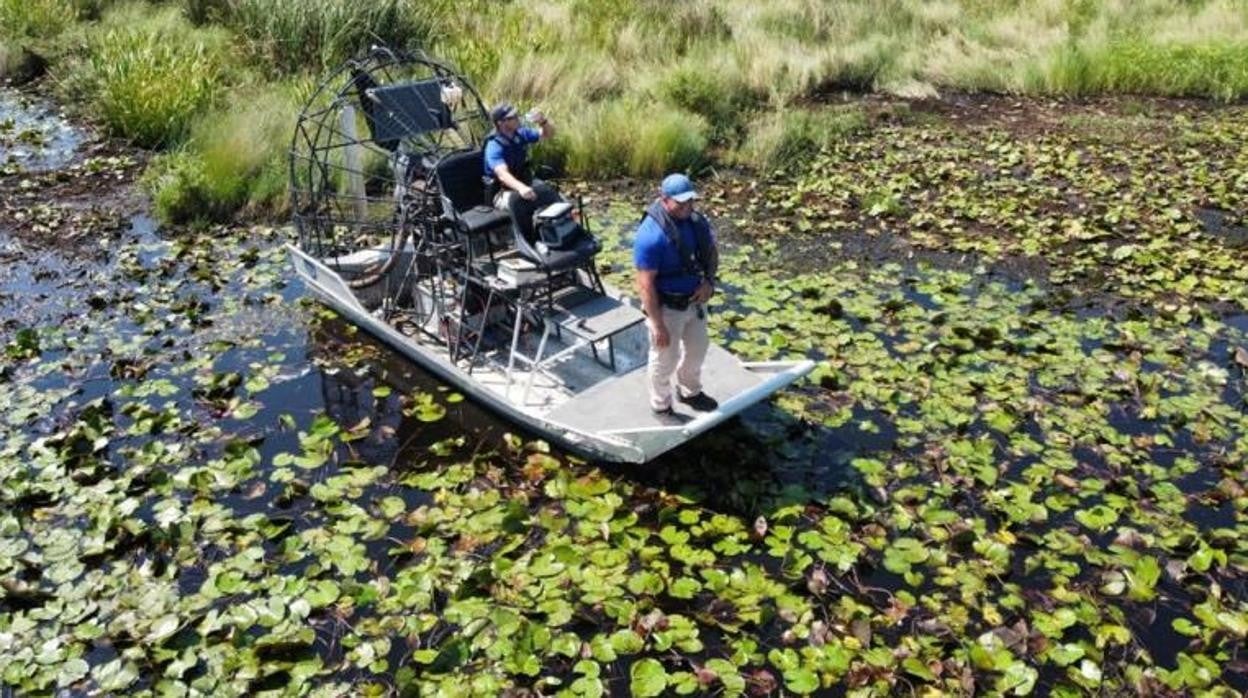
x=683 y=355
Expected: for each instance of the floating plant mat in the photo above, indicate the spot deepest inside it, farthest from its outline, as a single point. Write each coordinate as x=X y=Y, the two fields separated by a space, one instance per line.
x=1149 y=205
x=209 y=485
x=197 y=490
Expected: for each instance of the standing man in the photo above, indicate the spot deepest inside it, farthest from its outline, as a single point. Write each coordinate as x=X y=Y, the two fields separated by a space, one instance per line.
x=676 y=260
x=507 y=153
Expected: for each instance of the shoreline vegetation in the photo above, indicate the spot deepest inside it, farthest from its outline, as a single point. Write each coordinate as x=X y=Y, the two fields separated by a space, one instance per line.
x=639 y=88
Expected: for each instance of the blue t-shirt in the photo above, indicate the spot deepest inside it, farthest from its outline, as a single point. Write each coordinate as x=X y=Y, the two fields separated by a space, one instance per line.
x=653 y=252
x=513 y=151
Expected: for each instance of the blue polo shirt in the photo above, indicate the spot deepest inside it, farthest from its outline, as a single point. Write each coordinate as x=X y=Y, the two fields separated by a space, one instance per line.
x=513 y=151
x=653 y=252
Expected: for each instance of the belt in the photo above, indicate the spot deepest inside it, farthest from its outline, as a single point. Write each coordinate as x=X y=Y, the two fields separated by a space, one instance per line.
x=676 y=301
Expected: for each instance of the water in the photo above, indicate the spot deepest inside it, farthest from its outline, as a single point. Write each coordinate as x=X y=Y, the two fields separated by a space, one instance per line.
x=249 y=366
x=34 y=137
x=1222 y=225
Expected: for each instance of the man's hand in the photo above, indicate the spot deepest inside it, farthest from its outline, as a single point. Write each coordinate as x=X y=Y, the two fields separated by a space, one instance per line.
x=658 y=334
x=704 y=292
x=527 y=193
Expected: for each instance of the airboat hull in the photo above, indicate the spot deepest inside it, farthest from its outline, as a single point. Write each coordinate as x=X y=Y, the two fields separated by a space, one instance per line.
x=609 y=420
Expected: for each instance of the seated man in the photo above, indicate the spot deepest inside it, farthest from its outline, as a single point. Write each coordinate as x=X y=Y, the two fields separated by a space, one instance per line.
x=507 y=153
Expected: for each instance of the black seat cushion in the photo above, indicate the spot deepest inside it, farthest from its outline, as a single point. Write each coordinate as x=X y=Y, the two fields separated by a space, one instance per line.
x=561 y=260
x=576 y=254
x=482 y=218
x=522 y=210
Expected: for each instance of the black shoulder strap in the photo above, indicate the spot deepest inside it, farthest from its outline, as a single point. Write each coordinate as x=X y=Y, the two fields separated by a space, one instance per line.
x=692 y=262
x=702 y=237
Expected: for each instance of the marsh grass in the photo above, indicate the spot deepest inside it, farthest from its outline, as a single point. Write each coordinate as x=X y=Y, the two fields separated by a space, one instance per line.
x=36 y=18
x=784 y=140
x=146 y=75
x=716 y=90
x=12 y=58
x=295 y=35
x=205 y=11
x=642 y=140
x=235 y=159
x=1141 y=66
x=912 y=48
x=637 y=88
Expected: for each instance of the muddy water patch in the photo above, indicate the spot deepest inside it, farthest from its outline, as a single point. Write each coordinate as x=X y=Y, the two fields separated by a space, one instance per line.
x=34 y=136
x=1223 y=225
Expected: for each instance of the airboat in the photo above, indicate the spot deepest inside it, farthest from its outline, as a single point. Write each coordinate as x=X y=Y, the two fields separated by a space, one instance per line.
x=397 y=233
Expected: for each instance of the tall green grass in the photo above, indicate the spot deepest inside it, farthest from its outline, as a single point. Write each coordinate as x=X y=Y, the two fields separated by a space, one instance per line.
x=784 y=140
x=146 y=75
x=713 y=88
x=639 y=88
x=296 y=35
x=1142 y=66
x=235 y=159
x=614 y=138
x=36 y=18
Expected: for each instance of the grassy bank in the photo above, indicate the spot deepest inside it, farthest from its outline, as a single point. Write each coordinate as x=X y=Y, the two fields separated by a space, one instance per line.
x=638 y=88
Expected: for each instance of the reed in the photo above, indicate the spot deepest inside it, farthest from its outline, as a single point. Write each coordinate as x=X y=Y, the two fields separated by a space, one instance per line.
x=235 y=159
x=146 y=75
x=638 y=87
x=294 y=35
x=634 y=138
x=785 y=140
x=36 y=18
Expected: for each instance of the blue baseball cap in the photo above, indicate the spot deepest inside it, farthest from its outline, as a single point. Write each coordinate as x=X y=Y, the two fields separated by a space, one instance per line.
x=678 y=187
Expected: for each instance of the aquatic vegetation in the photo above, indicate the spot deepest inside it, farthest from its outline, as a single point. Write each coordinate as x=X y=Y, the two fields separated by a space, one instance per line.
x=1055 y=497
x=1051 y=191
x=1019 y=468
x=233 y=159
x=995 y=482
x=33 y=136
x=148 y=76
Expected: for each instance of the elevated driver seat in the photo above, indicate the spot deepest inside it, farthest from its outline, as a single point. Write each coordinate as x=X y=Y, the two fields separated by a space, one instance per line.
x=463 y=193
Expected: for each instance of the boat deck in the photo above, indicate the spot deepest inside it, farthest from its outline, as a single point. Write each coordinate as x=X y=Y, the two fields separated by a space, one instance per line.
x=623 y=404
x=587 y=391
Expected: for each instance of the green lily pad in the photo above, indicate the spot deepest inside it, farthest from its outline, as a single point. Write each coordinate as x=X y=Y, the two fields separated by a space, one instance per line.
x=647 y=677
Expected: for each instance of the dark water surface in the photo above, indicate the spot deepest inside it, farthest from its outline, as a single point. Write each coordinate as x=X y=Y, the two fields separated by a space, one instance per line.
x=33 y=136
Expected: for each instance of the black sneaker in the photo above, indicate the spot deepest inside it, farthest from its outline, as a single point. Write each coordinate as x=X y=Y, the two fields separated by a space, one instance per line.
x=700 y=402
x=665 y=411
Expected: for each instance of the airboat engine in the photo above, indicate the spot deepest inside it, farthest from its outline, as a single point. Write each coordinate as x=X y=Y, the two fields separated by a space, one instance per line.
x=362 y=155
